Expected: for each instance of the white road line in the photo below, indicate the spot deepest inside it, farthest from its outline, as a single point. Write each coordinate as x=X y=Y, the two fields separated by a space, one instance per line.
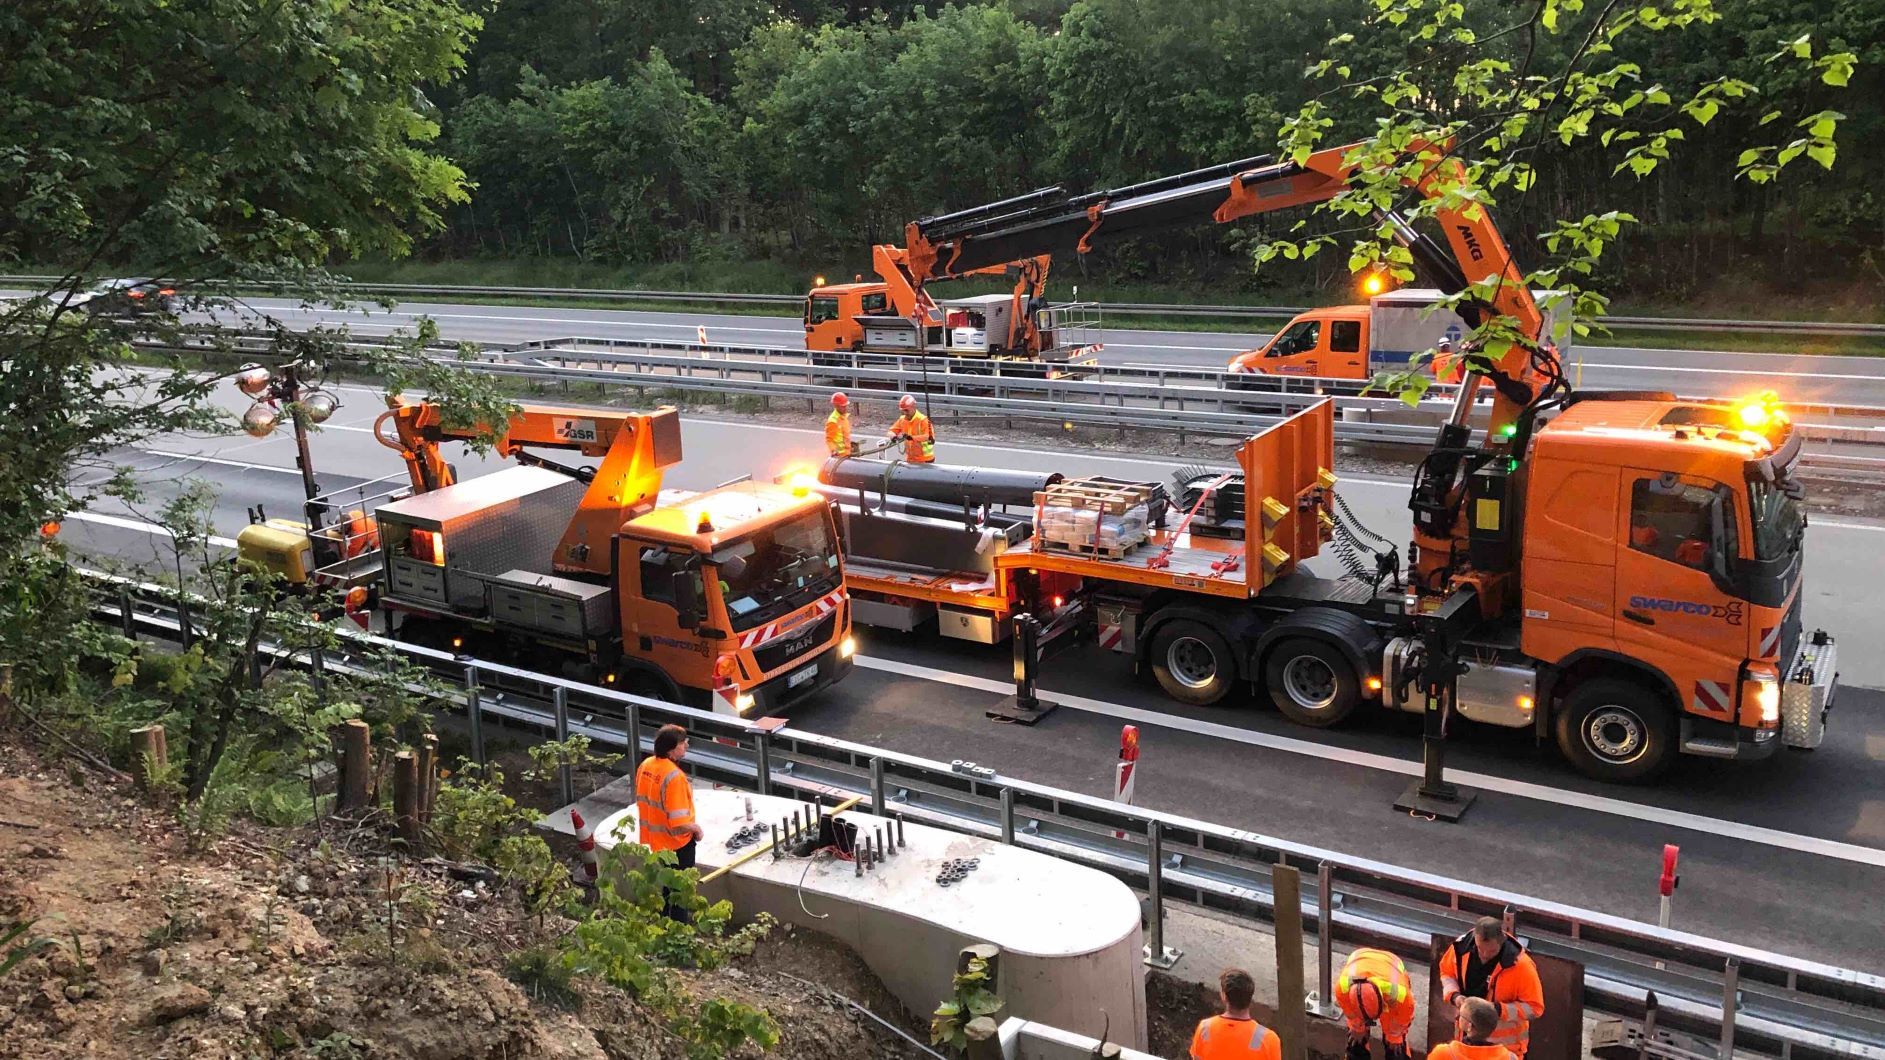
x=1634 y=811
x=219 y=460
x=138 y=524
x=1733 y=371
x=563 y=320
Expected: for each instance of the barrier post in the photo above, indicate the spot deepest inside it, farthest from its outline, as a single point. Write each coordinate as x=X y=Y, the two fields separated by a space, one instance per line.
x=474 y=710
x=1157 y=954
x=559 y=700
x=1127 y=771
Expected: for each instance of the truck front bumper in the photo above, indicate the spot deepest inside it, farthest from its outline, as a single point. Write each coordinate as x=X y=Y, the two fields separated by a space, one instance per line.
x=1806 y=692
x=780 y=693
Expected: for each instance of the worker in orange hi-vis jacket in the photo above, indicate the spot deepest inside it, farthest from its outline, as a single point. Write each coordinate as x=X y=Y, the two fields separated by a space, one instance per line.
x=1235 y=1035
x=913 y=429
x=1478 y=1020
x=1374 y=989
x=838 y=427
x=664 y=803
x=1489 y=963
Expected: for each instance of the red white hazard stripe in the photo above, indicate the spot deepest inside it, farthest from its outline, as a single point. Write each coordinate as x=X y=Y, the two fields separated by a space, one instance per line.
x=1770 y=640
x=1713 y=697
x=585 y=843
x=771 y=631
x=1111 y=637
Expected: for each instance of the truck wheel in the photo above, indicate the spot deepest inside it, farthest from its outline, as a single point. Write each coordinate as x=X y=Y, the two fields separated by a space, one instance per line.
x=1616 y=731
x=1311 y=682
x=1193 y=662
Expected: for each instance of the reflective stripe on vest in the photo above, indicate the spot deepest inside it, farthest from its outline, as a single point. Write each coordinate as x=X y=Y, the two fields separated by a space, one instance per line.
x=661 y=829
x=1394 y=988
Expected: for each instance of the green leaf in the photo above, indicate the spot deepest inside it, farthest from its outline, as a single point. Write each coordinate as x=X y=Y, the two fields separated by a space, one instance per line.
x=1837 y=69
x=1822 y=153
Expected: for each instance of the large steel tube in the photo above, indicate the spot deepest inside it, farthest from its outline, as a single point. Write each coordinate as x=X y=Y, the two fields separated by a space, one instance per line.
x=927 y=509
x=946 y=484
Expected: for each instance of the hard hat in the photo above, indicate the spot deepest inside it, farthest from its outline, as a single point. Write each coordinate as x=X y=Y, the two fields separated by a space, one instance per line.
x=907 y=403
x=1446 y=346
x=1367 y=998
x=838 y=400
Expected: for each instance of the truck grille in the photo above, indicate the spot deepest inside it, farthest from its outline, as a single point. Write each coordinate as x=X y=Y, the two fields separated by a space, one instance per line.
x=1790 y=630
x=799 y=642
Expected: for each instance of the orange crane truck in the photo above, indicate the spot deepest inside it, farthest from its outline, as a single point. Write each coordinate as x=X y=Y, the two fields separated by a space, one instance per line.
x=1618 y=571
x=895 y=315
x=730 y=599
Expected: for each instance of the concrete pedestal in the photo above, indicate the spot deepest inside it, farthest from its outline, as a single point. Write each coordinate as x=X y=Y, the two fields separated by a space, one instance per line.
x=1070 y=936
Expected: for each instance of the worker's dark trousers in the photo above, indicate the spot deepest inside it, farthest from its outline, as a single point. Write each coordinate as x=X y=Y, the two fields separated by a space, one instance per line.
x=683 y=859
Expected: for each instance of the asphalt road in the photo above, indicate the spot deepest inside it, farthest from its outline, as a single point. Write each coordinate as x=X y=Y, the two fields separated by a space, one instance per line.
x=1801 y=378
x=1788 y=854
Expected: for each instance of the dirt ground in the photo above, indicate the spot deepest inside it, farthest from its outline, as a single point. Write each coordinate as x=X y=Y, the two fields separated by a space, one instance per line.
x=273 y=942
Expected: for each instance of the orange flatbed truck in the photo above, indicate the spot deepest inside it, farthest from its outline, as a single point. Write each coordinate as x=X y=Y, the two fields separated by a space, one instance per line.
x=1618 y=571
x=730 y=599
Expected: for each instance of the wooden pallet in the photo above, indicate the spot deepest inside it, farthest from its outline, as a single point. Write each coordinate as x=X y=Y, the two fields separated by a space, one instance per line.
x=1111 y=496
x=1096 y=551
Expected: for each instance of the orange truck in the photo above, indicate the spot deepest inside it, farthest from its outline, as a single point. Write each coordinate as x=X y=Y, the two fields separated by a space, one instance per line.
x=1619 y=572
x=730 y=599
x=894 y=315
x=1356 y=342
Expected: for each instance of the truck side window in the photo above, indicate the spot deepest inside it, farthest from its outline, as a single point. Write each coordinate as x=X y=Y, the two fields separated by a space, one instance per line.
x=1300 y=338
x=1345 y=336
x=1670 y=520
x=820 y=309
x=876 y=304
x=658 y=566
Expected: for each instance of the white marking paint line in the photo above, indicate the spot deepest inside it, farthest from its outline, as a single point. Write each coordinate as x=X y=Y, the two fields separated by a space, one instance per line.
x=1522 y=789
x=218 y=460
x=1732 y=371
x=153 y=529
x=568 y=320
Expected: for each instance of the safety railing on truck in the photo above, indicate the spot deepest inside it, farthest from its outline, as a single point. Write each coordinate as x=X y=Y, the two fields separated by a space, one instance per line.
x=1744 y=998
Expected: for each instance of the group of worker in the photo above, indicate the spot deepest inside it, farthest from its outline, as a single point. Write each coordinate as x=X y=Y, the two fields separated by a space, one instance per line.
x=912 y=428
x=1487 y=980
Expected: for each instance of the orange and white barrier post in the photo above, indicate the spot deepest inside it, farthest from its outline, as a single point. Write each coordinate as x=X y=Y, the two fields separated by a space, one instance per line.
x=585 y=844
x=1666 y=885
x=701 y=330
x=1127 y=771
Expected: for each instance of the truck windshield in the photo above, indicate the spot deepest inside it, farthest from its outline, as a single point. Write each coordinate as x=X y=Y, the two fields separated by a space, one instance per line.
x=1300 y=338
x=777 y=570
x=1779 y=523
x=820 y=308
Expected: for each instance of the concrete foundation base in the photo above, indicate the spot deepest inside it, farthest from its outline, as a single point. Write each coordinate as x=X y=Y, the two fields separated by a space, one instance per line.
x=1070 y=936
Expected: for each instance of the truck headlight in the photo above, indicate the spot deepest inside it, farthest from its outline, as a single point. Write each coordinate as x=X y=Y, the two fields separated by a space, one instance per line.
x=744 y=702
x=847 y=647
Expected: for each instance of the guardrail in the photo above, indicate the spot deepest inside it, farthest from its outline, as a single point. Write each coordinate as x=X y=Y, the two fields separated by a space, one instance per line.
x=1228 y=312
x=1743 y=997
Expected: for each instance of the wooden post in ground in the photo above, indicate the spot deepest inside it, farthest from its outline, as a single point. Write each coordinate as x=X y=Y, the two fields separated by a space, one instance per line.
x=355 y=766
x=428 y=775
x=1291 y=1020
x=406 y=797
x=984 y=1037
x=150 y=755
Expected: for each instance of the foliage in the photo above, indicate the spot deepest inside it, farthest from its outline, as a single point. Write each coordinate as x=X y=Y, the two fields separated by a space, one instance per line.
x=15 y=947
x=970 y=998
x=574 y=754
x=628 y=939
x=542 y=973
x=475 y=819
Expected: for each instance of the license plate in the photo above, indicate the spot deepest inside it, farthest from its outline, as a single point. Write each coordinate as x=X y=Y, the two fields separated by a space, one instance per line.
x=802 y=677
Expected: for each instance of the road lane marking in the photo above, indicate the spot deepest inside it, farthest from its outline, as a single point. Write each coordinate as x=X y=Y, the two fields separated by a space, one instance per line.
x=567 y=320
x=218 y=460
x=1733 y=371
x=1634 y=811
x=153 y=529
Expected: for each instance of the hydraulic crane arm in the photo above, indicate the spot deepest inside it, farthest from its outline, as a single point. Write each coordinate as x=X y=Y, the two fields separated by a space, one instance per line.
x=1048 y=221
x=634 y=447
x=908 y=297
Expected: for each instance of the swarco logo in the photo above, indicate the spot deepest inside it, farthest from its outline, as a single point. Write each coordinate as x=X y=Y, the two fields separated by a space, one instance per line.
x=1729 y=612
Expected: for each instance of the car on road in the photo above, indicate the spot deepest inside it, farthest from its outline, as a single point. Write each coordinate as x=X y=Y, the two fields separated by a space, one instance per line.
x=128 y=297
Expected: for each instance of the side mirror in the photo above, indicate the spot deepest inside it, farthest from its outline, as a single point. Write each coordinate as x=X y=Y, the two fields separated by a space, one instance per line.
x=686 y=598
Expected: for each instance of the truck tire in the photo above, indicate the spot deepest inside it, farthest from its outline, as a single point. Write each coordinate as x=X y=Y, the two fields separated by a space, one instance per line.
x=1193 y=662
x=1311 y=682
x=1616 y=731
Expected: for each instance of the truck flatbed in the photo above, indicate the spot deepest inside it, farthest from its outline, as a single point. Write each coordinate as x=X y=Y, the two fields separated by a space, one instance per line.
x=1212 y=565
x=957 y=588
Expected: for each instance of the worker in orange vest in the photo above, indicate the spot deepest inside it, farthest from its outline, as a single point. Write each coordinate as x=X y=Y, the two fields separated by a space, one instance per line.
x=664 y=802
x=838 y=427
x=1235 y=1035
x=1374 y=989
x=1489 y=963
x=1478 y=1020
x=913 y=429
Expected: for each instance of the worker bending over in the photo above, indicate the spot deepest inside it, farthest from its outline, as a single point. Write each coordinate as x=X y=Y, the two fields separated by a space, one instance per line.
x=1487 y=962
x=1235 y=1035
x=664 y=803
x=1477 y=1022
x=838 y=427
x=1374 y=989
x=913 y=429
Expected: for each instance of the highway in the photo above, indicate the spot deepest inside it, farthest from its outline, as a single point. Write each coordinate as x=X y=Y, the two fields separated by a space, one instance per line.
x=1787 y=854
x=1802 y=378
